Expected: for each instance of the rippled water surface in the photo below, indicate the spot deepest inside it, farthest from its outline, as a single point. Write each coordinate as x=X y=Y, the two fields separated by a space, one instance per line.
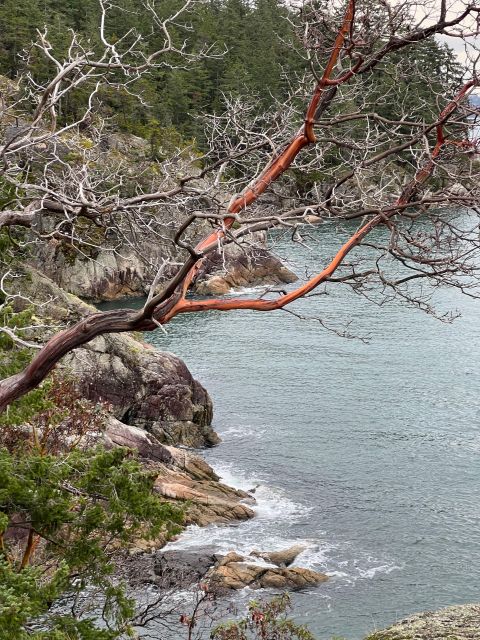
x=367 y=452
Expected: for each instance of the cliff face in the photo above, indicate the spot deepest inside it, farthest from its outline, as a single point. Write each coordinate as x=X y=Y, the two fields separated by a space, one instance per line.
x=121 y=260
x=454 y=623
x=114 y=275
x=144 y=387
x=108 y=276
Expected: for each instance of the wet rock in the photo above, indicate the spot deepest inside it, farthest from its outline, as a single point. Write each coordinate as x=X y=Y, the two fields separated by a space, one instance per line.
x=210 y=502
x=192 y=464
x=214 y=286
x=190 y=478
x=294 y=578
x=181 y=568
x=235 y=575
x=282 y=558
x=232 y=556
x=454 y=623
x=241 y=266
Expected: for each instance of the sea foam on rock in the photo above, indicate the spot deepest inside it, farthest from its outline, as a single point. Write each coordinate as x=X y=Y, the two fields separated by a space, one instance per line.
x=231 y=571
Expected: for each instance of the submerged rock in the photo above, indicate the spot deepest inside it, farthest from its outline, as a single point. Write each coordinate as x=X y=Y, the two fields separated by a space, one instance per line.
x=454 y=623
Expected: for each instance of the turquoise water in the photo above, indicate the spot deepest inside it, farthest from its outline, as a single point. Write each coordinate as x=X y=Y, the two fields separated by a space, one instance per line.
x=369 y=453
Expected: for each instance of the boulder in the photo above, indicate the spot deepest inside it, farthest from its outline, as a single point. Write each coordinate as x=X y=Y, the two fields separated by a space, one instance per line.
x=294 y=578
x=454 y=623
x=146 y=388
x=313 y=219
x=282 y=558
x=237 y=574
x=232 y=556
x=180 y=569
x=241 y=266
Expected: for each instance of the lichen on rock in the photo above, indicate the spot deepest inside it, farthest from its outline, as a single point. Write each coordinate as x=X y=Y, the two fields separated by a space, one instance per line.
x=460 y=622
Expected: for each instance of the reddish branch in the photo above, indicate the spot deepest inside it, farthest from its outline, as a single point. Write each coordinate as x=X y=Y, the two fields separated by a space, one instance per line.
x=171 y=301
x=407 y=195
x=285 y=158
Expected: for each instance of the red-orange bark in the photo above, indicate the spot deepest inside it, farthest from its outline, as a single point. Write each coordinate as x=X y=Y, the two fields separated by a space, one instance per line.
x=284 y=159
x=408 y=192
x=32 y=544
x=171 y=302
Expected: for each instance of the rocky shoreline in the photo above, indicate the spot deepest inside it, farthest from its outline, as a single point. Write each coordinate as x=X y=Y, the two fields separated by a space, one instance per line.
x=461 y=622
x=183 y=477
x=156 y=408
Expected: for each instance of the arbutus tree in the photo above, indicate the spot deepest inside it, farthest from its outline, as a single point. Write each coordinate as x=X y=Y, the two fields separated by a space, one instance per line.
x=348 y=130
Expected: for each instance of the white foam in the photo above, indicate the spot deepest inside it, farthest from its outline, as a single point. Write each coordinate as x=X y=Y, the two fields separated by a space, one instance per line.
x=247 y=291
x=272 y=506
x=373 y=571
x=268 y=531
x=316 y=556
x=242 y=432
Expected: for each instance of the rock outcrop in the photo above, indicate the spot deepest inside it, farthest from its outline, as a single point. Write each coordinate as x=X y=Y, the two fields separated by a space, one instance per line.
x=229 y=572
x=111 y=265
x=210 y=501
x=108 y=276
x=234 y=571
x=182 y=477
x=241 y=266
x=454 y=623
x=112 y=275
x=144 y=388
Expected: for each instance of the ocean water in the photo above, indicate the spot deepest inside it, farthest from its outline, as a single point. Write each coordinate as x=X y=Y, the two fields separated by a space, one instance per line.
x=369 y=453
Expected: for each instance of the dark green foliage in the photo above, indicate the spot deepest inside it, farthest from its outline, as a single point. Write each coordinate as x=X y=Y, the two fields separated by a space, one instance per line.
x=14 y=359
x=67 y=507
x=248 y=35
x=252 y=47
x=80 y=505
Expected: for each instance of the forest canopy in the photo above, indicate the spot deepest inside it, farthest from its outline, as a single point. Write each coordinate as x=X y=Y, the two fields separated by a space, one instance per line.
x=253 y=48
